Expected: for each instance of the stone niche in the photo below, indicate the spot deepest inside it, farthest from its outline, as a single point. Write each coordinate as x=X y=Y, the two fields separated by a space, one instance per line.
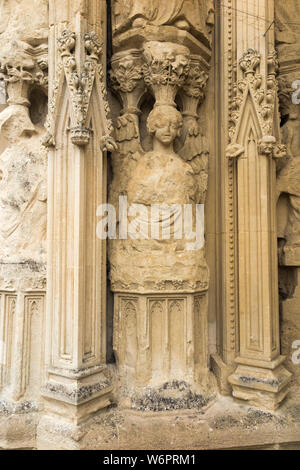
x=160 y=285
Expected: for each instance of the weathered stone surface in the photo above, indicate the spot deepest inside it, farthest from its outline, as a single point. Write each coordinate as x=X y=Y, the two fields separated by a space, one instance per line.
x=121 y=322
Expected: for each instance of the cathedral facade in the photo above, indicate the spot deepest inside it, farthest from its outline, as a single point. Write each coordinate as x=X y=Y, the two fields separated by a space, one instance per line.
x=149 y=224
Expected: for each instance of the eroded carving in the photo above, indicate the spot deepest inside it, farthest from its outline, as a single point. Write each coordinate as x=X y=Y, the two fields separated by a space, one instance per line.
x=165 y=178
x=23 y=201
x=22 y=68
x=264 y=98
x=196 y=16
x=159 y=177
x=288 y=182
x=166 y=69
x=80 y=79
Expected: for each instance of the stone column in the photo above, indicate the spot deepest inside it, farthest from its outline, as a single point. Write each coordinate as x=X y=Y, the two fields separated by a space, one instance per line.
x=260 y=377
x=77 y=384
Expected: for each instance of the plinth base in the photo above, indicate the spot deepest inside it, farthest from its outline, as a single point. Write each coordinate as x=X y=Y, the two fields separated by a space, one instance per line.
x=265 y=387
x=71 y=399
x=54 y=433
x=18 y=423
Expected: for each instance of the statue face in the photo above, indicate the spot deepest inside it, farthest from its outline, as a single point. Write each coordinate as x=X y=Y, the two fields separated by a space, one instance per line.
x=268 y=149
x=164 y=124
x=166 y=131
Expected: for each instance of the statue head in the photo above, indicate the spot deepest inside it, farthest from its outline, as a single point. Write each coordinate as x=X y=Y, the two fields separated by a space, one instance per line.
x=165 y=123
x=266 y=145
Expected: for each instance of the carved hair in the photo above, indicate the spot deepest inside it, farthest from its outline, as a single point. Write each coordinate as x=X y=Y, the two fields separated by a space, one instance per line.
x=163 y=113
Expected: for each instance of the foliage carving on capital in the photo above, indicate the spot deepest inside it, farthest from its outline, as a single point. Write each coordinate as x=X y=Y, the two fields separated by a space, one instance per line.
x=166 y=69
x=20 y=70
x=164 y=65
x=196 y=81
x=280 y=152
x=93 y=46
x=249 y=61
x=127 y=80
x=66 y=43
x=195 y=149
x=126 y=75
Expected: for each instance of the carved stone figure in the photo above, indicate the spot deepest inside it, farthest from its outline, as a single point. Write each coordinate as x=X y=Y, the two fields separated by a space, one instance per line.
x=23 y=197
x=159 y=177
x=162 y=253
x=289 y=177
x=191 y=15
x=287 y=28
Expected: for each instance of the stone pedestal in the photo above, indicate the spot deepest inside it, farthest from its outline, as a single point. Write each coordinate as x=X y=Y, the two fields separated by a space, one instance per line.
x=160 y=282
x=160 y=338
x=263 y=384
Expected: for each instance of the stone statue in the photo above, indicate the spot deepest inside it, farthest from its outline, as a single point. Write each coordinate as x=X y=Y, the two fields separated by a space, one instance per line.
x=23 y=201
x=164 y=125
x=191 y=15
x=289 y=176
x=287 y=30
x=160 y=177
x=159 y=274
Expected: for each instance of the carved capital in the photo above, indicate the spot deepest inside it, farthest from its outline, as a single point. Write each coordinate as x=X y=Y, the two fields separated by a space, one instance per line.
x=193 y=90
x=127 y=80
x=66 y=43
x=166 y=69
x=93 y=46
x=196 y=80
x=126 y=72
x=80 y=135
x=280 y=151
x=249 y=62
x=19 y=74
